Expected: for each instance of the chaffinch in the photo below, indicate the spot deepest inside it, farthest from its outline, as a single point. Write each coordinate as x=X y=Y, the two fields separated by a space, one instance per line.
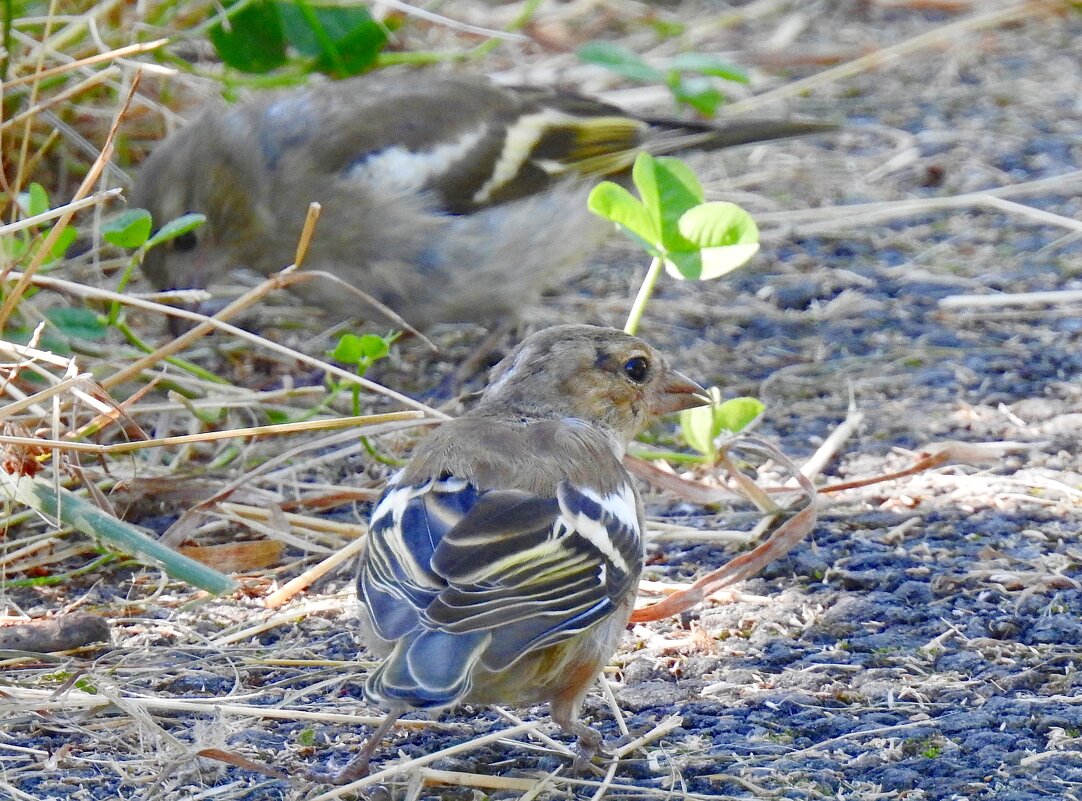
x=447 y=197
x=502 y=563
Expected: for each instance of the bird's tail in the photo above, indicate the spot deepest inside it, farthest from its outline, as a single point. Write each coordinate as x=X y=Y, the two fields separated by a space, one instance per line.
x=669 y=135
x=609 y=145
x=427 y=670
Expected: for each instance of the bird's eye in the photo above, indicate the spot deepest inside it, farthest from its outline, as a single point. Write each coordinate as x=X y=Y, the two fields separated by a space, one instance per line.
x=186 y=241
x=636 y=368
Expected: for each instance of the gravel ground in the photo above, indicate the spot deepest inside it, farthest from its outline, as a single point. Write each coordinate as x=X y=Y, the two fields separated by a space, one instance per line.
x=923 y=643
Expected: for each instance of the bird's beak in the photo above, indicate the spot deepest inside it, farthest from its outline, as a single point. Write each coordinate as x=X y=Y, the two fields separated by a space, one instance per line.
x=678 y=392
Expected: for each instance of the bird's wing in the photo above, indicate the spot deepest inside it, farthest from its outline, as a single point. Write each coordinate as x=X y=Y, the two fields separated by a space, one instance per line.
x=396 y=580
x=536 y=571
x=501 y=144
x=444 y=557
x=469 y=143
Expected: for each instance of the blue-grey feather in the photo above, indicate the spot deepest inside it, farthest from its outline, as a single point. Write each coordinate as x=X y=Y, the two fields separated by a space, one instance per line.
x=453 y=607
x=540 y=631
x=432 y=669
x=391 y=616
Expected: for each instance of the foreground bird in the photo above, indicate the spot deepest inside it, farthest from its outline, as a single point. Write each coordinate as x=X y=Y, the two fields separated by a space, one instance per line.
x=448 y=198
x=502 y=562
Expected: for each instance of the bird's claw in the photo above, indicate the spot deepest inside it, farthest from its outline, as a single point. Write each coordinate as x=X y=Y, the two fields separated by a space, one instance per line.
x=357 y=769
x=587 y=747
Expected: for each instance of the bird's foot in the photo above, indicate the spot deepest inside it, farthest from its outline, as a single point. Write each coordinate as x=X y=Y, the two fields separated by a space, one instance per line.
x=588 y=746
x=357 y=769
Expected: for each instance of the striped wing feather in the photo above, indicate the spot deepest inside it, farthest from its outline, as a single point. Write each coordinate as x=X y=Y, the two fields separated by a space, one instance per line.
x=461 y=578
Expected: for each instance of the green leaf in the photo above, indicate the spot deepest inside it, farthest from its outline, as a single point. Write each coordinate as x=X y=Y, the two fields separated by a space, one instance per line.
x=668 y=188
x=615 y=203
x=276 y=416
x=684 y=265
x=47 y=341
x=666 y=29
x=701 y=426
x=306 y=737
x=679 y=183
x=251 y=40
x=174 y=228
x=719 y=261
x=348 y=350
x=706 y=64
x=357 y=52
x=343 y=41
x=77 y=323
x=727 y=235
x=129 y=229
x=619 y=60
x=697 y=92
x=644 y=176
x=718 y=223
x=304 y=29
x=736 y=414
x=37 y=200
x=374 y=347
x=14 y=247
x=64 y=240
x=697 y=426
x=360 y=350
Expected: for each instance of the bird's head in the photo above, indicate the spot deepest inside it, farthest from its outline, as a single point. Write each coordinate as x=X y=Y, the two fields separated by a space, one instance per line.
x=197 y=171
x=600 y=375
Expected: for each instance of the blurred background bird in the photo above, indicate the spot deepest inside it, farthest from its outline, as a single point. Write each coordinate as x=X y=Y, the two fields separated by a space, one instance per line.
x=502 y=563
x=448 y=198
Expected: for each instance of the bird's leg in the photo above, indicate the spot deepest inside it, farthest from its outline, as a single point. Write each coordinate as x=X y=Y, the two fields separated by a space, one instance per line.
x=588 y=742
x=358 y=766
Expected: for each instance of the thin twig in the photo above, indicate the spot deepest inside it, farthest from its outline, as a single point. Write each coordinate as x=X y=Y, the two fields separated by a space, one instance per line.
x=97 y=58
x=63 y=97
x=825 y=452
x=84 y=291
x=210 y=436
x=1063 y=297
x=312 y=574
